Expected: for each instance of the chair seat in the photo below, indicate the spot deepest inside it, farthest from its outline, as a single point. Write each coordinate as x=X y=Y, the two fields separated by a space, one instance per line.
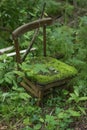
x=45 y=70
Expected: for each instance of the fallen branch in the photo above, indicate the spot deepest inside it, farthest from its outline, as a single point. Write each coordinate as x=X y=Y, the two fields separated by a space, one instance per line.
x=22 y=51
x=6 y=49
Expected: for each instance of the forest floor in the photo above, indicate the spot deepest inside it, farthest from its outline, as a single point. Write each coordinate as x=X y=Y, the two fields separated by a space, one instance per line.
x=80 y=124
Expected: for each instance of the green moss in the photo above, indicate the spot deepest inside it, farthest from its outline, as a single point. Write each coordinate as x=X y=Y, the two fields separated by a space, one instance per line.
x=45 y=70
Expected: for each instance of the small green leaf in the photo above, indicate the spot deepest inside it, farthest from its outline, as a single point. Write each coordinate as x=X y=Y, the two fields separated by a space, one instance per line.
x=24 y=96
x=41 y=120
x=8 y=80
x=74 y=113
x=26 y=121
x=21 y=74
x=83 y=99
x=82 y=110
x=77 y=93
x=37 y=127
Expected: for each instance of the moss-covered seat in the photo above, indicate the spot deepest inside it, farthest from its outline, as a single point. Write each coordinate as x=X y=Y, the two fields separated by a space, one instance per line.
x=46 y=70
x=42 y=73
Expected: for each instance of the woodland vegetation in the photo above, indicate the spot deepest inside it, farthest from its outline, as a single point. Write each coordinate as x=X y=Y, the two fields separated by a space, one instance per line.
x=65 y=108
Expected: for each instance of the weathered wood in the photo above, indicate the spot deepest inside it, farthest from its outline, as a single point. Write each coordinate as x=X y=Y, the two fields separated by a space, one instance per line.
x=30 y=26
x=6 y=49
x=40 y=98
x=44 y=40
x=29 y=89
x=17 y=49
x=14 y=53
x=32 y=85
x=24 y=28
x=22 y=51
x=54 y=84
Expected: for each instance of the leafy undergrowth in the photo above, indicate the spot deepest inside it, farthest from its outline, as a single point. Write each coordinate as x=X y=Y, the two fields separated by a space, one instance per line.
x=18 y=110
x=65 y=108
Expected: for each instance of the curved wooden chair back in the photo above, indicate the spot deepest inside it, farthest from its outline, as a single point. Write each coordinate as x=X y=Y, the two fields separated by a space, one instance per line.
x=28 y=27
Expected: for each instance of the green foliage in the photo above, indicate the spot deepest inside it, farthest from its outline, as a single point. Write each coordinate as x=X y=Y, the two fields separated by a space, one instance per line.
x=7 y=76
x=11 y=10
x=16 y=104
x=51 y=122
x=75 y=96
x=82 y=3
x=80 y=55
x=65 y=117
x=60 y=40
x=53 y=7
x=12 y=16
x=61 y=119
x=69 y=9
x=62 y=107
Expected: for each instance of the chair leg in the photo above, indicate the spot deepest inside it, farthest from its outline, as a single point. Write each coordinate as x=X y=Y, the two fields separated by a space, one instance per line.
x=39 y=102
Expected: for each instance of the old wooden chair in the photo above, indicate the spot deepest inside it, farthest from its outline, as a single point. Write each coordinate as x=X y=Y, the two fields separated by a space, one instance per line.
x=56 y=73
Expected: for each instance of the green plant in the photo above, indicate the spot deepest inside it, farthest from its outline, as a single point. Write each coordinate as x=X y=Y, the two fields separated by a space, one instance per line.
x=7 y=67
x=60 y=108
x=12 y=16
x=75 y=96
x=59 y=40
x=78 y=99
x=82 y=3
x=51 y=122
x=16 y=105
x=68 y=11
x=53 y=7
x=65 y=117
x=80 y=55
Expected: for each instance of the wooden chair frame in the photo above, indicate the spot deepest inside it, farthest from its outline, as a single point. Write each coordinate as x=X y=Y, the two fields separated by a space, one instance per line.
x=28 y=27
x=35 y=89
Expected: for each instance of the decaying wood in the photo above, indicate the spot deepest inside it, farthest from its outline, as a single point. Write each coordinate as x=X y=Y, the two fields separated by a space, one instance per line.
x=22 y=51
x=29 y=89
x=30 y=26
x=54 y=84
x=36 y=89
x=6 y=49
x=40 y=91
x=25 y=28
x=40 y=94
x=14 y=53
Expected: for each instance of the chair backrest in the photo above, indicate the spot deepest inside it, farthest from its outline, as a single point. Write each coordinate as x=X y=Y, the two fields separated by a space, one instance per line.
x=28 y=27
